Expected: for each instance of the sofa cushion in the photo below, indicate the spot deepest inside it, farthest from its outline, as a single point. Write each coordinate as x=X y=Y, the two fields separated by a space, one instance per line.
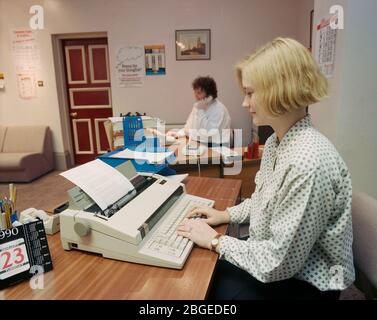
x=25 y=139
x=14 y=161
x=3 y=130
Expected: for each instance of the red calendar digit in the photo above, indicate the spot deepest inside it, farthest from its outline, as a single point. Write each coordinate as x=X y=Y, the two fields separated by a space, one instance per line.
x=13 y=258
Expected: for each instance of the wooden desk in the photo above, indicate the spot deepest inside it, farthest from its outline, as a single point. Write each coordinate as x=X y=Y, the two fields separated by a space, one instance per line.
x=210 y=161
x=82 y=275
x=209 y=156
x=215 y=167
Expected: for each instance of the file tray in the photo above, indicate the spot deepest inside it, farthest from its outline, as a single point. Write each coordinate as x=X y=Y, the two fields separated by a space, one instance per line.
x=148 y=145
x=144 y=167
x=133 y=131
x=24 y=252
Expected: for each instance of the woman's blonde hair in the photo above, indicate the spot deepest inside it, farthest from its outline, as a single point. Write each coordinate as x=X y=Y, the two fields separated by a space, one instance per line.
x=284 y=76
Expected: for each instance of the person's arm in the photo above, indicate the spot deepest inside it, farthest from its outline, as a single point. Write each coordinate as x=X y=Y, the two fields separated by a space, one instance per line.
x=302 y=212
x=185 y=130
x=241 y=213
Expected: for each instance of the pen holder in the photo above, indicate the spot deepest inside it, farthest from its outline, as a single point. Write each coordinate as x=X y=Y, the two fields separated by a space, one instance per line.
x=14 y=216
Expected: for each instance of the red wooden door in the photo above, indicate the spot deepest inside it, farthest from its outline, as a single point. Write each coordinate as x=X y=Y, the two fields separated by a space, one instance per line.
x=89 y=95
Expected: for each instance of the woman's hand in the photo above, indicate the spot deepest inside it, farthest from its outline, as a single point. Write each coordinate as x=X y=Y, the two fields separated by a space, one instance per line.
x=197 y=231
x=171 y=134
x=212 y=216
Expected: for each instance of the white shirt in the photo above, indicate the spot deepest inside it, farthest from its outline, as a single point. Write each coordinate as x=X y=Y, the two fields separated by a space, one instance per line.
x=211 y=122
x=299 y=214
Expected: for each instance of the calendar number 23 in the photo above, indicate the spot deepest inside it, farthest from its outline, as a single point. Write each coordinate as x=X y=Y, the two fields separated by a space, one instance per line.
x=18 y=257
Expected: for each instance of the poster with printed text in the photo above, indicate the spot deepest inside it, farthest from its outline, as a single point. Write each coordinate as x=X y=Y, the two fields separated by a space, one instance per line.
x=26 y=59
x=155 y=60
x=130 y=67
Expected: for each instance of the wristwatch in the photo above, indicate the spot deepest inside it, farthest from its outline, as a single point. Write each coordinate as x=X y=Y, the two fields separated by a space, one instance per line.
x=215 y=242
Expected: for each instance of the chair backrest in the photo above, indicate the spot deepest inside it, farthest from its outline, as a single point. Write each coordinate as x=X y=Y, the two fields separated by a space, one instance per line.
x=3 y=131
x=20 y=139
x=364 y=220
x=109 y=133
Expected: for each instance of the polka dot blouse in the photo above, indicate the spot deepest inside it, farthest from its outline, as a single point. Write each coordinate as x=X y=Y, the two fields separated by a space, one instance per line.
x=299 y=214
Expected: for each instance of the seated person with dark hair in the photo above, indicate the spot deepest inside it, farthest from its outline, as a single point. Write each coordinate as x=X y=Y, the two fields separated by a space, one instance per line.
x=209 y=120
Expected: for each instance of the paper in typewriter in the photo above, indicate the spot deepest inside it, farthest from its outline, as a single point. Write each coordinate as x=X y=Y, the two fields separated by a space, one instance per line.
x=104 y=184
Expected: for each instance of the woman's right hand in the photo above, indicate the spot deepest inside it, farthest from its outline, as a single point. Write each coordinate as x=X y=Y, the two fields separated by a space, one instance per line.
x=211 y=216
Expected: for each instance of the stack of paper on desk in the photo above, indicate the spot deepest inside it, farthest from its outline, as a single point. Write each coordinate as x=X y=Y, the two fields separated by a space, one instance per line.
x=104 y=184
x=151 y=157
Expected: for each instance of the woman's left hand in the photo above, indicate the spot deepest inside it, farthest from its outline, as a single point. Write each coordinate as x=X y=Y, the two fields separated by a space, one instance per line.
x=197 y=231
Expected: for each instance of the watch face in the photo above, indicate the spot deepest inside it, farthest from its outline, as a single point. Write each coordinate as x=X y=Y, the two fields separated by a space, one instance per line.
x=215 y=242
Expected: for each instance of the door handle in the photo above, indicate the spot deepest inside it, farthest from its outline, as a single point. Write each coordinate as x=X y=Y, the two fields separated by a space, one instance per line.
x=73 y=114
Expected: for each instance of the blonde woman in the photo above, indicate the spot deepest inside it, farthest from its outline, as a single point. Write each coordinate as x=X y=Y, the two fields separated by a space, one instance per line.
x=300 y=235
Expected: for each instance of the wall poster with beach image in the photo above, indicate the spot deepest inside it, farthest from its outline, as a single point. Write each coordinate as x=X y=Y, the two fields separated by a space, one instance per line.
x=193 y=44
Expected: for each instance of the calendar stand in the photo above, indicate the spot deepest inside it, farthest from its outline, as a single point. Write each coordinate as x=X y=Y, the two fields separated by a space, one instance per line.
x=24 y=252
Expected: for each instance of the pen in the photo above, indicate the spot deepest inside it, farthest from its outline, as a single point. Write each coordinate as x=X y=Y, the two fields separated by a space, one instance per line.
x=3 y=222
x=5 y=215
x=14 y=197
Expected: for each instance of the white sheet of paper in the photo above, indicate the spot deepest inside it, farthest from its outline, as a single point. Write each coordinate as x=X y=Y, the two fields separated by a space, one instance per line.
x=225 y=151
x=104 y=184
x=151 y=157
x=177 y=177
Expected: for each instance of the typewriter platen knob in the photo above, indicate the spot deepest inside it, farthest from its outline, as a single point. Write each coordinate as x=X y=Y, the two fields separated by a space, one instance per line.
x=81 y=228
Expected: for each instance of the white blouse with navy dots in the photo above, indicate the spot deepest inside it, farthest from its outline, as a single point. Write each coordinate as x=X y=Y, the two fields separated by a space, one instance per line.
x=299 y=215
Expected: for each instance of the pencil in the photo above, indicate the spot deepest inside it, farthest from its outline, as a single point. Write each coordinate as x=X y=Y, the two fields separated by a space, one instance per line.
x=11 y=191
x=14 y=197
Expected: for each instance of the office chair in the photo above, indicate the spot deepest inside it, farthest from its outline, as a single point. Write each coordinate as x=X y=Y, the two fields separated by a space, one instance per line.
x=364 y=218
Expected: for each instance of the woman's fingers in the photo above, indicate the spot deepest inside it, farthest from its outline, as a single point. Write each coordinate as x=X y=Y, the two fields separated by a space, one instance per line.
x=184 y=228
x=197 y=212
x=184 y=234
x=193 y=213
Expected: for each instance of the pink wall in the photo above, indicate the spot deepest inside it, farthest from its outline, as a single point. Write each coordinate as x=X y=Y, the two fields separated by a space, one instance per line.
x=237 y=26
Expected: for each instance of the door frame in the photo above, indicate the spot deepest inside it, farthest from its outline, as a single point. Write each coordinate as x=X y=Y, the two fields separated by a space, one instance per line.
x=63 y=101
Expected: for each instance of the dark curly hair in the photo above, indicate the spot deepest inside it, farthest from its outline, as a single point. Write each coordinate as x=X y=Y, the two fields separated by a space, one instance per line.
x=207 y=84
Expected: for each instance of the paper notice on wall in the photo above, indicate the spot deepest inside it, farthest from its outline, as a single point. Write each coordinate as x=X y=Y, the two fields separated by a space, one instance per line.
x=130 y=66
x=27 y=86
x=26 y=58
x=325 y=47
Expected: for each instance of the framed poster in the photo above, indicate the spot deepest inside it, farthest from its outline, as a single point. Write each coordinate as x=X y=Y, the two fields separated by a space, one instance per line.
x=193 y=44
